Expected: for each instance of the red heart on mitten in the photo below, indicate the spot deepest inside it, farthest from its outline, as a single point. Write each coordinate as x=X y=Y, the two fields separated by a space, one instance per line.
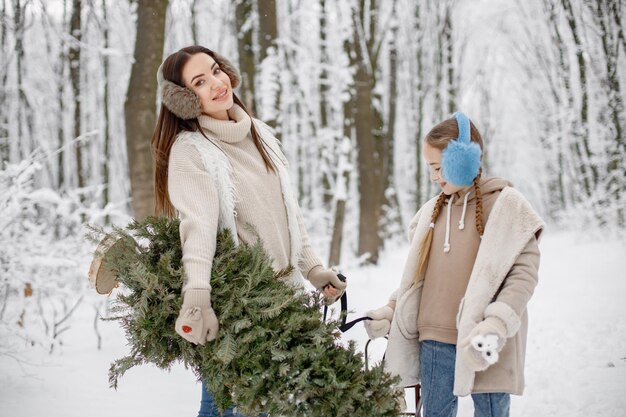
x=186 y=329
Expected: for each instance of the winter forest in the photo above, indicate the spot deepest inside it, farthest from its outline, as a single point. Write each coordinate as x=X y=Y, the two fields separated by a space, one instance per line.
x=351 y=87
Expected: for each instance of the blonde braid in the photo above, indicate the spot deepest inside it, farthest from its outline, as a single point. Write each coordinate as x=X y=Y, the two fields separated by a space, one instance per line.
x=480 y=226
x=424 y=252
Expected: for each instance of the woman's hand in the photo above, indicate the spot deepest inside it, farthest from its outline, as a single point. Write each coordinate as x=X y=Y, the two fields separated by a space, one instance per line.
x=331 y=292
x=197 y=321
x=327 y=282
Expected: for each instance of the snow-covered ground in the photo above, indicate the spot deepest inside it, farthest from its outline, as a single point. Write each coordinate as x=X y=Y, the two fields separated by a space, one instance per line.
x=575 y=365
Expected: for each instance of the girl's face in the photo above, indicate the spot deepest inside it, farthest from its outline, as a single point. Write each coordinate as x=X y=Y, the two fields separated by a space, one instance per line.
x=203 y=76
x=432 y=156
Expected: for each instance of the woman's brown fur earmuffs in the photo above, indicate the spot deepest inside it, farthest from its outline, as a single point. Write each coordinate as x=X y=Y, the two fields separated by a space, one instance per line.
x=183 y=102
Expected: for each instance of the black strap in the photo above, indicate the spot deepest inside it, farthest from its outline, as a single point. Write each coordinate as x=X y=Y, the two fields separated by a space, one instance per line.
x=344 y=302
x=347 y=326
x=344 y=310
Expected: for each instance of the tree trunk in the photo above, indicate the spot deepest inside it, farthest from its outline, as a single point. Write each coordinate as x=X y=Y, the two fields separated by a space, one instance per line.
x=268 y=30
x=393 y=214
x=341 y=195
x=568 y=125
x=368 y=130
x=323 y=81
x=4 y=118
x=616 y=149
x=323 y=154
x=19 y=53
x=60 y=93
x=74 y=63
x=449 y=48
x=245 y=28
x=343 y=173
x=107 y=135
x=139 y=108
x=419 y=79
x=582 y=137
x=618 y=19
x=439 y=58
x=268 y=56
x=557 y=76
x=24 y=111
x=194 y=24
x=610 y=48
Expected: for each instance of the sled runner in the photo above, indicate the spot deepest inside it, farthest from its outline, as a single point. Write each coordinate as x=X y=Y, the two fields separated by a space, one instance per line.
x=418 y=398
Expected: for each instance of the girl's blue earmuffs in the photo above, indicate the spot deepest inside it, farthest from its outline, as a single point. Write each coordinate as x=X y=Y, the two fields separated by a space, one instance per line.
x=460 y=160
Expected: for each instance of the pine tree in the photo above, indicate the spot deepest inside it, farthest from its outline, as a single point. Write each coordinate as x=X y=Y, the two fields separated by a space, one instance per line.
x=273 y=353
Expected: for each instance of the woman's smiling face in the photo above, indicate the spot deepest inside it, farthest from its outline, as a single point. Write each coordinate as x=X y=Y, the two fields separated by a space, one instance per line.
x=203 y=76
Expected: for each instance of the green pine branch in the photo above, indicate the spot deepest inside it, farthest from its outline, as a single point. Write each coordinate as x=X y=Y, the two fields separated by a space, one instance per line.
x=273 y=353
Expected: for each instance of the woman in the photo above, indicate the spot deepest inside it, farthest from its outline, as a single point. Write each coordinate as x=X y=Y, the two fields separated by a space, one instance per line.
x=218 y=168
x=458 y=322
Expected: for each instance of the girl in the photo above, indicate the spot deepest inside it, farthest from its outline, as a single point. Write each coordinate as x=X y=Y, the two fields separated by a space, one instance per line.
x=217 y=168
x=458 y=322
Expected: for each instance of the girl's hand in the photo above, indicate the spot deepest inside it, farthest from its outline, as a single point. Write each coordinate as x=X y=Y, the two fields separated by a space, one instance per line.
x=480 y=349
x=380 y=322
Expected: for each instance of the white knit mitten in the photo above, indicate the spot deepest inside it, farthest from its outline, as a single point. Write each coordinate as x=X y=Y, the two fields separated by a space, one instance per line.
x=197 y=321
x=480 y=349
x=380 y=322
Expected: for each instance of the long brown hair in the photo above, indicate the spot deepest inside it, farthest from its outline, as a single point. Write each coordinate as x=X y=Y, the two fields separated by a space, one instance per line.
x=169 y=125
x=439 y=137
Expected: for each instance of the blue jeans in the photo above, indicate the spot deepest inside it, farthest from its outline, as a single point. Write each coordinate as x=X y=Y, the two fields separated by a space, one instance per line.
x=437 y=374
x=209 y=409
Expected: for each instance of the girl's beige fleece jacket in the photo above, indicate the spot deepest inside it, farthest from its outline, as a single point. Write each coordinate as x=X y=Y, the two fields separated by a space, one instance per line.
x=448 y=273
x=500 y=284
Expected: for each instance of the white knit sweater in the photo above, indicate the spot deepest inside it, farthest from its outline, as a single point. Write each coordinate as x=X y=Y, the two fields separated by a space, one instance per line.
x=202 y=185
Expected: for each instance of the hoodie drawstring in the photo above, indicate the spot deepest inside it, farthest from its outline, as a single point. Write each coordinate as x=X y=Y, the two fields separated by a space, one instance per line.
x=446 y=244
x=462 y=221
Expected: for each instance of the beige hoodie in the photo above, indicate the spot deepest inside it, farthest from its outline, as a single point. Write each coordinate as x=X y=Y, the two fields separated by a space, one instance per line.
x=448 y=273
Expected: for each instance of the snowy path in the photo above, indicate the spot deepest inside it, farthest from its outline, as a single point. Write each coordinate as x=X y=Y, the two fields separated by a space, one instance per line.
x=576 y=360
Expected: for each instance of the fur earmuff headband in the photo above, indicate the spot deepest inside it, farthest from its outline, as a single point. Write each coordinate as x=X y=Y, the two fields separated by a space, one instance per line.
x=183 y=102
x=461 y=159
